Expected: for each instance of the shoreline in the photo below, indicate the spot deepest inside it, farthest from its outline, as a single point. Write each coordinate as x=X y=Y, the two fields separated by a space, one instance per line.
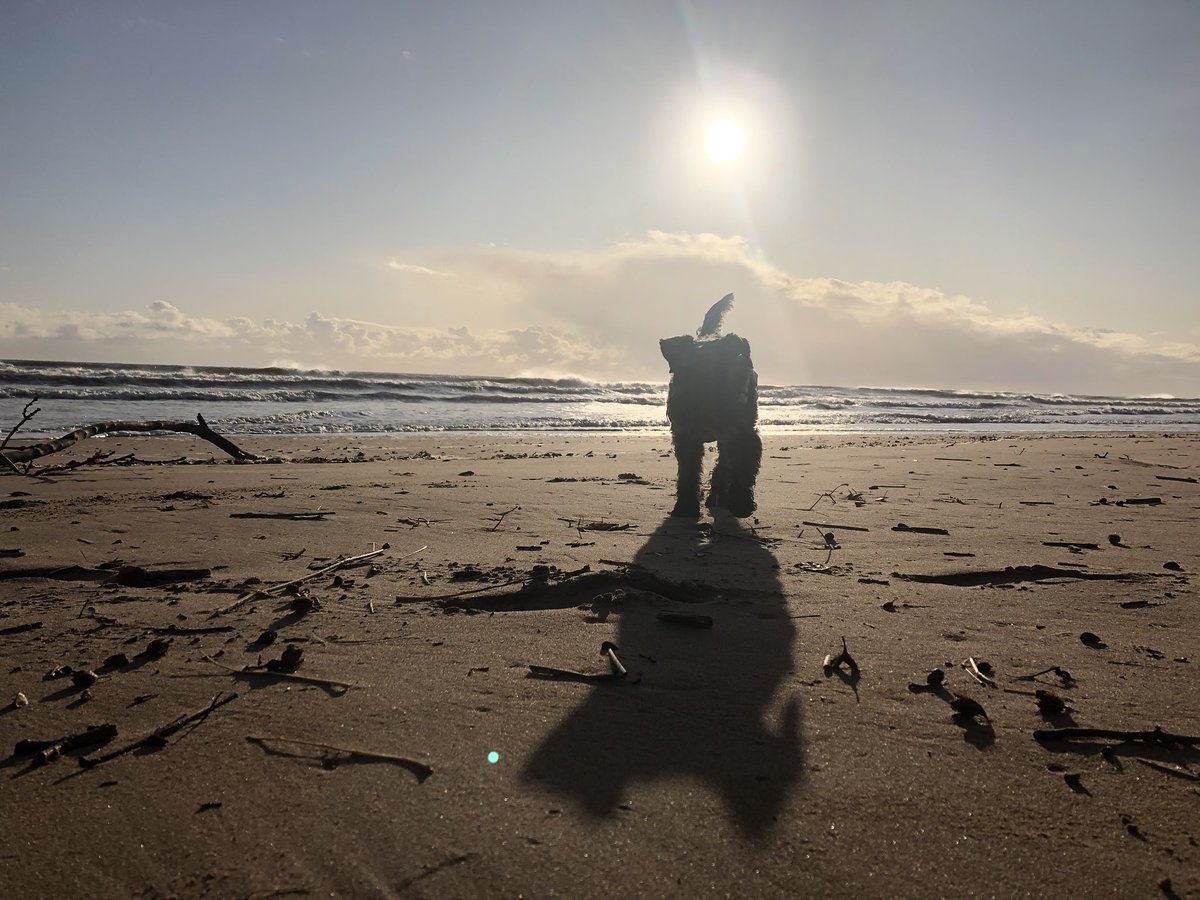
x=727 y=761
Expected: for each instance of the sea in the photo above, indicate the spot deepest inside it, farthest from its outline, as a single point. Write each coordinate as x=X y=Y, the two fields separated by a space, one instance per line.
x=295 y=401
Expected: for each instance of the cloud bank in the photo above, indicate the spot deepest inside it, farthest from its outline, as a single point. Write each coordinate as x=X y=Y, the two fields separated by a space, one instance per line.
x=600 y=315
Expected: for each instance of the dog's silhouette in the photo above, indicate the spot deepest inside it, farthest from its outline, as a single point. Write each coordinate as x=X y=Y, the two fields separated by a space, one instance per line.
x=713 y=397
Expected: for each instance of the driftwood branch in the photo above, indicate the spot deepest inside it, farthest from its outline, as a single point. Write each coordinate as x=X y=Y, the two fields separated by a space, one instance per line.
x=158 y=737
x=340 y=686
x=26 y=415
x=199 y=428
x=283 y=586
x=418 y=768
x=1157 y=736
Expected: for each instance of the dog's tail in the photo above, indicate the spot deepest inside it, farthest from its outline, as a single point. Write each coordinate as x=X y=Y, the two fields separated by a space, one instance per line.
x=712 y=319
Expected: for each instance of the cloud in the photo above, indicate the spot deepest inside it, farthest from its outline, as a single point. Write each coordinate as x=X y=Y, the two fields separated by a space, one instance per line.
x=163 y=331
x=397 y=266
x=600 y=315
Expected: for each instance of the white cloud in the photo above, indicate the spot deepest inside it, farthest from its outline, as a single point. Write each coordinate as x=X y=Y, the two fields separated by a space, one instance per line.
x=396 y=266
x=601 y=314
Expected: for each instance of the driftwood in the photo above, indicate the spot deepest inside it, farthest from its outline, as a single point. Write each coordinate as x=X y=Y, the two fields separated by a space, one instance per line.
x=21 y=629
x=341 y=686
x=292 y=516
x=199 y=428
x=831 y=525
x=158 y=737
x=418 y=768
x=1157 y=736
x=280 y=588
x=47 y=751
x=26 y=415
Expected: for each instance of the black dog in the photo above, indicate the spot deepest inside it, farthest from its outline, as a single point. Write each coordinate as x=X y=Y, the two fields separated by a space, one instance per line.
x=713 y=397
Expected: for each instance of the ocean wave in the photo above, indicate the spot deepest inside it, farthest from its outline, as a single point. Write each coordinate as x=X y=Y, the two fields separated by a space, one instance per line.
x=282 y=399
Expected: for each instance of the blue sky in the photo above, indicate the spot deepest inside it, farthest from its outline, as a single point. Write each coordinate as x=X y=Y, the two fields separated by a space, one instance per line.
x=942 y=194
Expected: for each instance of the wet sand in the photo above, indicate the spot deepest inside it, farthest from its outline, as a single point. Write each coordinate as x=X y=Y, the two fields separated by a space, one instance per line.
x=727 y=761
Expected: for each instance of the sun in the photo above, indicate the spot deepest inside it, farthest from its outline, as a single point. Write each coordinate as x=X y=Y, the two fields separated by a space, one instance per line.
x=724 y=141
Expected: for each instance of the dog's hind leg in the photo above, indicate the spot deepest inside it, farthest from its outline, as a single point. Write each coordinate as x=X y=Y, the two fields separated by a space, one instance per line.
x=689 y=455
x=741 y=457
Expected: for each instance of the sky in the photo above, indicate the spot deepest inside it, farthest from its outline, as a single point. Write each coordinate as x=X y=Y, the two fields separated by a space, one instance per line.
x=930 y=193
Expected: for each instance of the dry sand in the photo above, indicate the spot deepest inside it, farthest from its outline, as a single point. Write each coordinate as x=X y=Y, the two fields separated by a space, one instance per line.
x=726 y=763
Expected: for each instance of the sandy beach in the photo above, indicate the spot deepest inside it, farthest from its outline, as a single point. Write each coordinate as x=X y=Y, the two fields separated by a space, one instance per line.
x=705 y=750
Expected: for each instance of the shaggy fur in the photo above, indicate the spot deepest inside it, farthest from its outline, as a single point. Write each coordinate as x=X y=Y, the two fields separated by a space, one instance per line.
x=713 y=397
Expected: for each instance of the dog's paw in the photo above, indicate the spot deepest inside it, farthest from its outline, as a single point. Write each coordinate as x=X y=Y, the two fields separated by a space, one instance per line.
x=686 y=510
x=741 y=506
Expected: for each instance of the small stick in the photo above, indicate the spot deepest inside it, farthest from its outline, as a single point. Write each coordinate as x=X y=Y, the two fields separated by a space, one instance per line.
x=339 y=564
x=479 y=590
x=276 y=588
x=549 y=672
x=609 y=649
x=501 y=517
x=678 y=617
x=26 y=415
x=285 y=676
x=919 y=529
x=19 y=629
x=1170 y=770
x=842 y=527
x=563 y=577
x=1157 y=736
x=1063 y=675
x=8 y=462
x=296 y=517
x=418 y=768
x=160 y=734
x=973 y=670
x=182 y=629
x=829 y=494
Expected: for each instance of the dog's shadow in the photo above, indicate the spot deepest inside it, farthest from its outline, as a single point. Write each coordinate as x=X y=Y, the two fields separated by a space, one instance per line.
x=701 y=703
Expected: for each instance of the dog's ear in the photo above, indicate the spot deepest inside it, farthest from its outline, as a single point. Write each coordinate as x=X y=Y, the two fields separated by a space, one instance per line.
x=677 y=350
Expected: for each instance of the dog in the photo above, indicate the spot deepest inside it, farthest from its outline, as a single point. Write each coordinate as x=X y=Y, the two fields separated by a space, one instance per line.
x=713 y=397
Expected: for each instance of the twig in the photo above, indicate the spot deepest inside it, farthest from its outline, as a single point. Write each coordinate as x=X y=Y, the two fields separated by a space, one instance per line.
x=1157 y=736
x=158 y=737
x=183 y=629
x=609 y=649
x=48 y=751
x=277 y=588
x=285 y=676
x=19 y=629
x=1170 y=770
x=8 y=462
x=972 y=669
x=1063 y=675
x=418 y=768
x=563 y=577
x=467 y=592
x=829 y=494
x=291 y=517
x=26 y=415
x=500 y=517
x=919 y=529
x=553 y=674
x=842 y=527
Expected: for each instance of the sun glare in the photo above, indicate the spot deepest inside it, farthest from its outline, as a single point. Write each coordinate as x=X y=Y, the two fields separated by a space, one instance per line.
x=724 y=141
